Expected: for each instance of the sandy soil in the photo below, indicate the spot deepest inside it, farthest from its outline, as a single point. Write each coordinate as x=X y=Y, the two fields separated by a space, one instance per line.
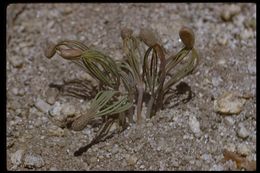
x=186 y=136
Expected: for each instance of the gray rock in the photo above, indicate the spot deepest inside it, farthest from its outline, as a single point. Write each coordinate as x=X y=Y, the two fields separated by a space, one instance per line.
x=243 y=149
x=42 y=105
x=51 y=94
x=217 y=167
x=216 y=81
x=15 y=91
x=16 y=158
x=33 y=161
x=56 y=109
x=229 y=121
x=251 y=68
x=194 y=125
x=229 y=11
x=242 y=132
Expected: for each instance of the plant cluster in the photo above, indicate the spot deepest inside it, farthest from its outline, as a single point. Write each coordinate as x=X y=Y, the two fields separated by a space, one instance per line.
x=145 y=74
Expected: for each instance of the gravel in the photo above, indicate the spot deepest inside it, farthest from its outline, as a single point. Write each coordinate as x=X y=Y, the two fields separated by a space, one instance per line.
x=185 y=135
x=33 y=161
x=42 y=105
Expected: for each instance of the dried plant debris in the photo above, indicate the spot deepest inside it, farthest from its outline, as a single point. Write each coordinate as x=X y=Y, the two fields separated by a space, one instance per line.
x=241 y=161
x=146 y=71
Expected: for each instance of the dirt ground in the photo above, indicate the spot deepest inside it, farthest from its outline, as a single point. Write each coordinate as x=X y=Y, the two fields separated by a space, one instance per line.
x=184 y=136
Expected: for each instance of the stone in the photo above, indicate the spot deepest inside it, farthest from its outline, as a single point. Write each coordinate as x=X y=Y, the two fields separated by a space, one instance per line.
x=131 y=159
x=51 y=95
x=217 y=167
x=242 y=132
x=15 y=91
x=243 y=149
x=229 y=121
x=246 y=34
x=216 y=81
x=230 y=147
x=56 y=131
x=229 y=11
x=33 y=161
x=56 y=109
x=16 y=158
x=42 y=105
x=251 y=68
x=194 y=125
x=228 y=104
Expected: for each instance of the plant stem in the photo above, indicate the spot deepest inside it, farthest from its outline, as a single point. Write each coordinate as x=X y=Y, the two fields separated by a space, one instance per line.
x=139 y=103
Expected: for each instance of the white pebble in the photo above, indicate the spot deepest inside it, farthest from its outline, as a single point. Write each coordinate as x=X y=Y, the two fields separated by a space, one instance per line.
x=15 y=91
x=229 y=103
x=243 y=149
x=243 y=132
x=56 y=109
x=194 y=125
x=251 y=68
x=16 y=158
x=216 y=168
x=42 y=105
x=33 y=161
x=229 y=121
x=216 y=81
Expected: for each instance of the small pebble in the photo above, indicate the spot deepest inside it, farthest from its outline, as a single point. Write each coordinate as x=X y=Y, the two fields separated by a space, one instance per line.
x=242 y=132
x=194 y=125
x=15 y=91
x=229 y=121
x=16 y=158
x=33 y=161
x=216 y=81
x=42 y=105
x=230 y=147
x=131 y=160
x=251 y=68
x=229 y=11
x=51 y=95
x=246 y=34
x=243 y=149
x=56 y=109
x=16 y=61
x=56 y=131
x=206 y=157
x=217 y=168
x=228 y=104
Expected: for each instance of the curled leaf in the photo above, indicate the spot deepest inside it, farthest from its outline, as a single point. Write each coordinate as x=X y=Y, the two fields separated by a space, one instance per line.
x=50 y=50
x=187 y=37
x=105 y=103
x=70 y=54
x=148 y=37
x=126 y=32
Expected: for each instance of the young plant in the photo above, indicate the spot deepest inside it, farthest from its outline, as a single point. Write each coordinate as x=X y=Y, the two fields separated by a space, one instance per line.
x=146 y=71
